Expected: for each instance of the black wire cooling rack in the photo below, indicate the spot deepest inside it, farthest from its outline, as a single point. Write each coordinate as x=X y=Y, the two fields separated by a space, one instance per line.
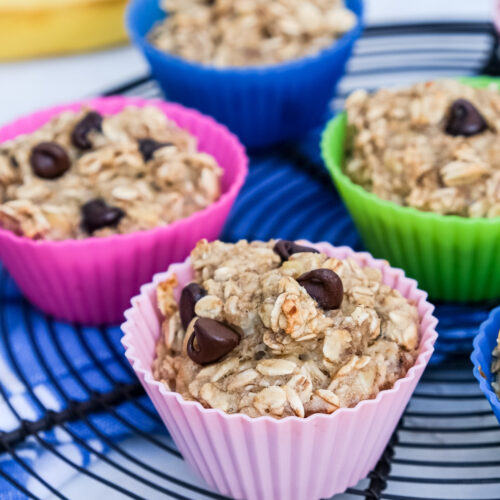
x=446 y=446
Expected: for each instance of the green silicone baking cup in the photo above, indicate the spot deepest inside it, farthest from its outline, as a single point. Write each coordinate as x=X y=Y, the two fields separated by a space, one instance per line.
x=453 y=258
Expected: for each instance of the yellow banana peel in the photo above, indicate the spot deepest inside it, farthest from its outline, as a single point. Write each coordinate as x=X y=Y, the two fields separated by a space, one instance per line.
x=33 y=28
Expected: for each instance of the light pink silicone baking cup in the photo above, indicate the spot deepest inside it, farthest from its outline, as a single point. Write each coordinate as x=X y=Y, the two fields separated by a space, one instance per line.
x=268 y=459
x=92 y=280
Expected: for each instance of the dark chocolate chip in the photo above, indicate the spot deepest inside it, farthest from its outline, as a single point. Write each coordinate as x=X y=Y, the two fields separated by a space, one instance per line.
x=80 y=135
x=465 y=119
x=324 y=286
x=97 y=214
x=285 y=248
x=210 y=341
x=191 y=294
x=49 y=160
x=147 y=147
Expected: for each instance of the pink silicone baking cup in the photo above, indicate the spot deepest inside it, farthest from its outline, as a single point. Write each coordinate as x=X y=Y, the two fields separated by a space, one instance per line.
x=268 y=459
x=92 y=280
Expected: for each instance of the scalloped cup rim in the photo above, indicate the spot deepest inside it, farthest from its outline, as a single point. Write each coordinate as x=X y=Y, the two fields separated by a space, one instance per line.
x=259 y=70
x=339 y=176
x=426 y=349
x=491 y=396
x=233 y=188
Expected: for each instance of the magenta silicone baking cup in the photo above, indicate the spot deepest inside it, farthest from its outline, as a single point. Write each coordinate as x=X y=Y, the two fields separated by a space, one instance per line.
x=92 y=280
x=267 y=459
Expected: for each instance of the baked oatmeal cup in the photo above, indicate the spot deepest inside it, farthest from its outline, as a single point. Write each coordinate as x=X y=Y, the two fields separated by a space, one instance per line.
x=417 y=169
x=265 y=69
x=486 y=360
x=88 y=189
x=247 y=348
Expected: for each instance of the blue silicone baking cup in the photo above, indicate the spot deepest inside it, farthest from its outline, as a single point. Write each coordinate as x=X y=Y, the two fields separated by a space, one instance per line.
x=263 y=105
x=481 y=357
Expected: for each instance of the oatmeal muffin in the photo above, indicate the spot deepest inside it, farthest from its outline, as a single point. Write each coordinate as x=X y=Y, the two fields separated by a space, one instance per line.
x=433 y=146
x=83 y=174
x=495 y=367
x=250 y=32
x=280 y=329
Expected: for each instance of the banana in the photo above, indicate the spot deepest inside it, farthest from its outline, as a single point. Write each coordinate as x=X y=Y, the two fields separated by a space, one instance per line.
x=33 y=28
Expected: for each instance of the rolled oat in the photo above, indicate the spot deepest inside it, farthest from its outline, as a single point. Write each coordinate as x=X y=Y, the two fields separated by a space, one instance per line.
x=408 y=146
x=99 y=181
x=294 y=357
x=250 y=32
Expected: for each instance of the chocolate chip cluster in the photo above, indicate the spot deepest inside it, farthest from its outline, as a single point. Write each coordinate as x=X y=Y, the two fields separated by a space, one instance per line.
x=281 y=329
x=84 y=174
x=49 y=160
x=210 y=340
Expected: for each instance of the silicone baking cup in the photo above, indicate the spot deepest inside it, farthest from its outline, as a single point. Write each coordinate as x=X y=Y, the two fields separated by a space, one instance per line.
x=453 y=258
x=264 y=458
x=92 y=280
x=482 y=356
x=263 y=105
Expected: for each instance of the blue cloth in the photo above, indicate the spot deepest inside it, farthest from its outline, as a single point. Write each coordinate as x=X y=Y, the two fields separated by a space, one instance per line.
x=51 y=386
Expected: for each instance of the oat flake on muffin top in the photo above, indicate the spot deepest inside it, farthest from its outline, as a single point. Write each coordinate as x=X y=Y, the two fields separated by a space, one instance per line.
x=282 y=330
x=83 y=174
x=433 y=146
x=250 y=32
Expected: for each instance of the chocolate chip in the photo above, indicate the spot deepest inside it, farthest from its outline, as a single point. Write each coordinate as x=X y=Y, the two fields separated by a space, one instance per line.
x=285 y=248
x=191 y=294
x=97 y=214
x=148 y=146
x=465 y=119
x=324 y=286
x=210 y=341
x=49 y=160
x=80 y=135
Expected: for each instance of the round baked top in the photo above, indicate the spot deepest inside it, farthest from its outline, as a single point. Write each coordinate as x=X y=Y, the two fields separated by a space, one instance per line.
x=229 y=33
x=281 y=330
x=86 y=174
x=433 y=146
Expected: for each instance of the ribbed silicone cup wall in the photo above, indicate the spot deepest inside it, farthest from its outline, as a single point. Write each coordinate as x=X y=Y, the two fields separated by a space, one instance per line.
x=92 y=280
x=264 y=458
x=453 y=258
x=262 y=105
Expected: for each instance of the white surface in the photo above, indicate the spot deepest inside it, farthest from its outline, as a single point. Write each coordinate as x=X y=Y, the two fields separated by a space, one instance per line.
x=381 y=11
x=29 y=85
